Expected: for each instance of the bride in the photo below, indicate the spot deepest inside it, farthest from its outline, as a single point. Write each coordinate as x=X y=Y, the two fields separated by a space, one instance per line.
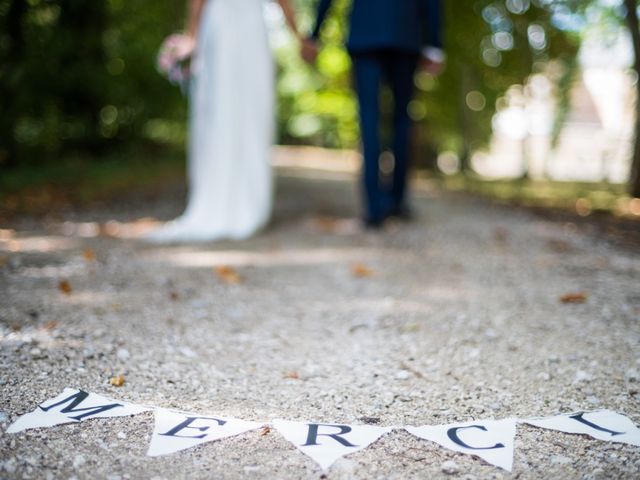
x=232 y=122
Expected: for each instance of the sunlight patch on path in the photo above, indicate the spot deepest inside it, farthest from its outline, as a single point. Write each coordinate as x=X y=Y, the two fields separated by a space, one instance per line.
x=240 y=258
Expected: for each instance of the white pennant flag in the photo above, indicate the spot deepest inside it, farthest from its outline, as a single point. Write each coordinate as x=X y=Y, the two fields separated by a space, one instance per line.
x=176 y=431
x=602 y=425
x=326 y=443
x=491 y=440
x=73 y=406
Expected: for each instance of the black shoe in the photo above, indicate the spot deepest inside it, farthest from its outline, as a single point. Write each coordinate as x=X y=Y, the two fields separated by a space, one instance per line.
x=403 y=213
x=373 y=224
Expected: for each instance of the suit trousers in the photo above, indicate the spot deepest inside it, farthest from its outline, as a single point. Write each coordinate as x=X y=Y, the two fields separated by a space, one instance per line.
x=372 y=70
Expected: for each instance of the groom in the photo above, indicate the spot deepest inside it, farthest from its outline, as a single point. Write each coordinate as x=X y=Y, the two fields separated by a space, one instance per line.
x=388 y=40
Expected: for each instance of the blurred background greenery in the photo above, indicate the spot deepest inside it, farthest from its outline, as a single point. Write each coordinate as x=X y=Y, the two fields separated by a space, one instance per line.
x=80 y=95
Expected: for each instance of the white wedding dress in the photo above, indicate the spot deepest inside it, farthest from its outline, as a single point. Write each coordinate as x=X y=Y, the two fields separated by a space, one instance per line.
x=232 y=121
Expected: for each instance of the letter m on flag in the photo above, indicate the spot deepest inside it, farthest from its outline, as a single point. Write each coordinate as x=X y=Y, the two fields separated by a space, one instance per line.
x=70 y=405
x=73 y=406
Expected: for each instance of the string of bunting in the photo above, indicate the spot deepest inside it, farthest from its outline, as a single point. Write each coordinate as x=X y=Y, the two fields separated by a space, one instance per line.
x=491 y=440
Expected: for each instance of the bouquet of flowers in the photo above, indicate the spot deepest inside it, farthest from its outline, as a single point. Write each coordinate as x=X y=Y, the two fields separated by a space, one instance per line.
x=174 y=59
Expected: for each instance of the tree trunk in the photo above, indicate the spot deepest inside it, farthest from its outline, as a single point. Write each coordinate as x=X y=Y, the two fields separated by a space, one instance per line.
x=632 y=23
x=10 y=82
x=463 y=118
x=83 y=97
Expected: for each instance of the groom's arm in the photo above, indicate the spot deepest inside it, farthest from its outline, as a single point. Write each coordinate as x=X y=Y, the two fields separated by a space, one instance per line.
x=310 y=46
x=323 y=8
x=432 y=11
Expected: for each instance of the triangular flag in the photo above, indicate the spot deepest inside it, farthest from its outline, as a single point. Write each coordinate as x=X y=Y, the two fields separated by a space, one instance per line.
x=176 y=431
x=602 y=425
x=491 y=440
x=73 y=406
x=326 y=443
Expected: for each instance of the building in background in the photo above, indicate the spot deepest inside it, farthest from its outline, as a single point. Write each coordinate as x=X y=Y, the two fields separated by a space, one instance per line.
x=594 y=142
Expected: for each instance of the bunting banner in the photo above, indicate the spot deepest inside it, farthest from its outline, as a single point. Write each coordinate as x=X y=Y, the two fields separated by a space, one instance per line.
x=601 y=425
x=491 y=440
x=325 y=443
x=73 y=406
x=175 y=431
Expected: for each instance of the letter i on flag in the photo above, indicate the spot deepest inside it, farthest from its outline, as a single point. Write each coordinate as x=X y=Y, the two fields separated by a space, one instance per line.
x=176 y=431
x=73 y=406
x=326 y=443
x=602 y=425
x=491 y=440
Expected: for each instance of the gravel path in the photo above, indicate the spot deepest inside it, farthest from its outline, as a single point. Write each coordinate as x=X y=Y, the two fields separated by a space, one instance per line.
x=454 y=317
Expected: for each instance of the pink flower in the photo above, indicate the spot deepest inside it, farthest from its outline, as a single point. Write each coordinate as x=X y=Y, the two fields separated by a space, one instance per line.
x=173 y=58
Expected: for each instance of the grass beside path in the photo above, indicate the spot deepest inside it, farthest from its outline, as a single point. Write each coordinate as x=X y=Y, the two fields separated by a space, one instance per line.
x=582 y=198
x=77 y=181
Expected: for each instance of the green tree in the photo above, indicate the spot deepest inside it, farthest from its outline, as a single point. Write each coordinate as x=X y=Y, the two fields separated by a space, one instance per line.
x=632 y=22
x=79 y=76
x=491 y=45
x=616 y=15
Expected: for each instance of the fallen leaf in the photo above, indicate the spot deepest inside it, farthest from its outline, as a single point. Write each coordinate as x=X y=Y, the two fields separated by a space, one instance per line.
x=326 y=224
x=560 y=246
x=89 y=255
x=501 y=235
x=228 y=275
x=117 y=381
x=65 y=287
x=265 y=431
x=361 y=271
x=50 y=325
x=293 y=375
x=578 y=297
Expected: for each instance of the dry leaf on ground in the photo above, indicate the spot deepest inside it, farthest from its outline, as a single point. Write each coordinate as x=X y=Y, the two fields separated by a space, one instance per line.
x=361 y=271
x=326 y=224
x=578 y=297
x=228 y=275
x=501 y=235
x=560 y=246
x=293 y=375
x=89 y=255
x=65 y=287
x=50 y=325
x=265 y=431
x=117 y=381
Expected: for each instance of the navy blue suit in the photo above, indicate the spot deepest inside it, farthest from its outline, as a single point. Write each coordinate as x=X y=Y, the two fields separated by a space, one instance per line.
x=385 y=40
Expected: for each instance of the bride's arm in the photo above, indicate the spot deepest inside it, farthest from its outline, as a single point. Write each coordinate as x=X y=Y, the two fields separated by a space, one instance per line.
x=290 y=16
x=193 y=19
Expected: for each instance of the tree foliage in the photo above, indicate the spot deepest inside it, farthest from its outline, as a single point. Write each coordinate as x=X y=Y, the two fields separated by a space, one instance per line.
x=79 y=75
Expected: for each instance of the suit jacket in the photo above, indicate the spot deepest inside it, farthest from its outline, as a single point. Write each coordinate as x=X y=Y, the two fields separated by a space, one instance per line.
x=396 y=24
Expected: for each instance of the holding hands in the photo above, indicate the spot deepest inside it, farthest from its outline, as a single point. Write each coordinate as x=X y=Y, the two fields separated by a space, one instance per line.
x=309 y=49
x=432 y=60
x=433 y=67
